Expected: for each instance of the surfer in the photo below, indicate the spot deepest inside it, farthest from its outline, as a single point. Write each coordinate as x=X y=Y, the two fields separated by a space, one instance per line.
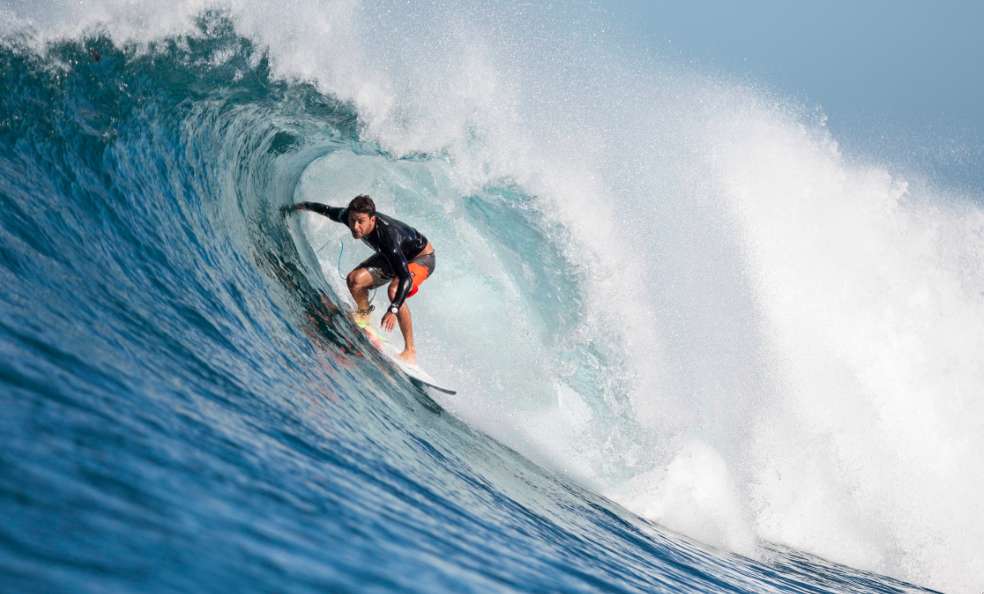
x=403 y=258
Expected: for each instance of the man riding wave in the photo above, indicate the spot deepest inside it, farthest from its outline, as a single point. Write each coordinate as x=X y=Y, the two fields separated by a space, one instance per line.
x=403 y=257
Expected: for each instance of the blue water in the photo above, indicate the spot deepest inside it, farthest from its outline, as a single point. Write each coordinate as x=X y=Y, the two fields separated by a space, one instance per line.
x=185 y=408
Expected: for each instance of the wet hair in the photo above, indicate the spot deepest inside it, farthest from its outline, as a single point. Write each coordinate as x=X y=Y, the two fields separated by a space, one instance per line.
x=362 y=203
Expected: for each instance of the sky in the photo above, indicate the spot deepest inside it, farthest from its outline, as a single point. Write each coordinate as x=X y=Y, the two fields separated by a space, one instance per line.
x=900 y=80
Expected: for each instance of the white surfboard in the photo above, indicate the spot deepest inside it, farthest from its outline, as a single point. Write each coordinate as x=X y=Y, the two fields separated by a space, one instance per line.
x=417 y=375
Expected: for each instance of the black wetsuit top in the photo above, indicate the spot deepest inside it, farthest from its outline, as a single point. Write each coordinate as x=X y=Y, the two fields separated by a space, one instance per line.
x=394 y=240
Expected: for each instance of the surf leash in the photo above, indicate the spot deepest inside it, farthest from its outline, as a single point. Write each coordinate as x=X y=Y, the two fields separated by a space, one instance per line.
x=338 y=267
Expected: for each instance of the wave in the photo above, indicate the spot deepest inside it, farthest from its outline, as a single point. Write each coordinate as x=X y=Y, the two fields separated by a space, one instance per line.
x=671 y=291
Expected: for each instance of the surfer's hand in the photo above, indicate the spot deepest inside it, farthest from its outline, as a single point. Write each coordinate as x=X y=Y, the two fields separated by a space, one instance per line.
x=388 y=321
x=286 y=210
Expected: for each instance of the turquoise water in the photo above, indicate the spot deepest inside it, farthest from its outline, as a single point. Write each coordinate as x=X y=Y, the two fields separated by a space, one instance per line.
x=188 y=408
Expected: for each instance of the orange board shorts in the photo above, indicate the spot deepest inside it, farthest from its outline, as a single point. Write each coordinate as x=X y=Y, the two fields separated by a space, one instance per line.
x=420 y=268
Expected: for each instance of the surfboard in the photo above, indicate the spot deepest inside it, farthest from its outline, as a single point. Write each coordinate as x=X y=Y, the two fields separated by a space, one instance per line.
x=417 y=376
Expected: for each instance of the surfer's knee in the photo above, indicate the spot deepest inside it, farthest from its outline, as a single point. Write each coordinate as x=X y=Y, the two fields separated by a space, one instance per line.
x=359 y=279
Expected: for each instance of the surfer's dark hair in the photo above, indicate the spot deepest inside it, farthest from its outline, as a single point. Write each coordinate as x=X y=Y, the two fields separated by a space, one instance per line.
x=362 y=203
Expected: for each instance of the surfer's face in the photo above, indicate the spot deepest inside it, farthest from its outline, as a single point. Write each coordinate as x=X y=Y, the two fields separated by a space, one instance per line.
x=361 y=224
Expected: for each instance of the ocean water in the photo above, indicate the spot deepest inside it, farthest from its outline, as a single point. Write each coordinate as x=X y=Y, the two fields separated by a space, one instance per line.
x=697 y=348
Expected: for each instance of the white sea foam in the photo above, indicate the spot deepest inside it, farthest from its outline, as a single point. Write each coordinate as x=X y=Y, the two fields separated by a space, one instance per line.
x=793 y=337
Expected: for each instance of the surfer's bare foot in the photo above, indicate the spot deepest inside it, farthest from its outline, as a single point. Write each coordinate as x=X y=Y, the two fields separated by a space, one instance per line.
x=361 y=319
x=408 y=357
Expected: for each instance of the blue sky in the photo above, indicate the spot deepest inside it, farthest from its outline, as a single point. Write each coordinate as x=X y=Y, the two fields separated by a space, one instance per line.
x=903 y=80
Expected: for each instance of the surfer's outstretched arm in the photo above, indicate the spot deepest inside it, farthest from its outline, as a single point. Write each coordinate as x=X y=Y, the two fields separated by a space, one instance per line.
x=335 y=213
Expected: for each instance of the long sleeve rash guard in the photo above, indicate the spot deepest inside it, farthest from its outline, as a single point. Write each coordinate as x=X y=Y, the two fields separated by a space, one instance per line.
x=394 y=240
